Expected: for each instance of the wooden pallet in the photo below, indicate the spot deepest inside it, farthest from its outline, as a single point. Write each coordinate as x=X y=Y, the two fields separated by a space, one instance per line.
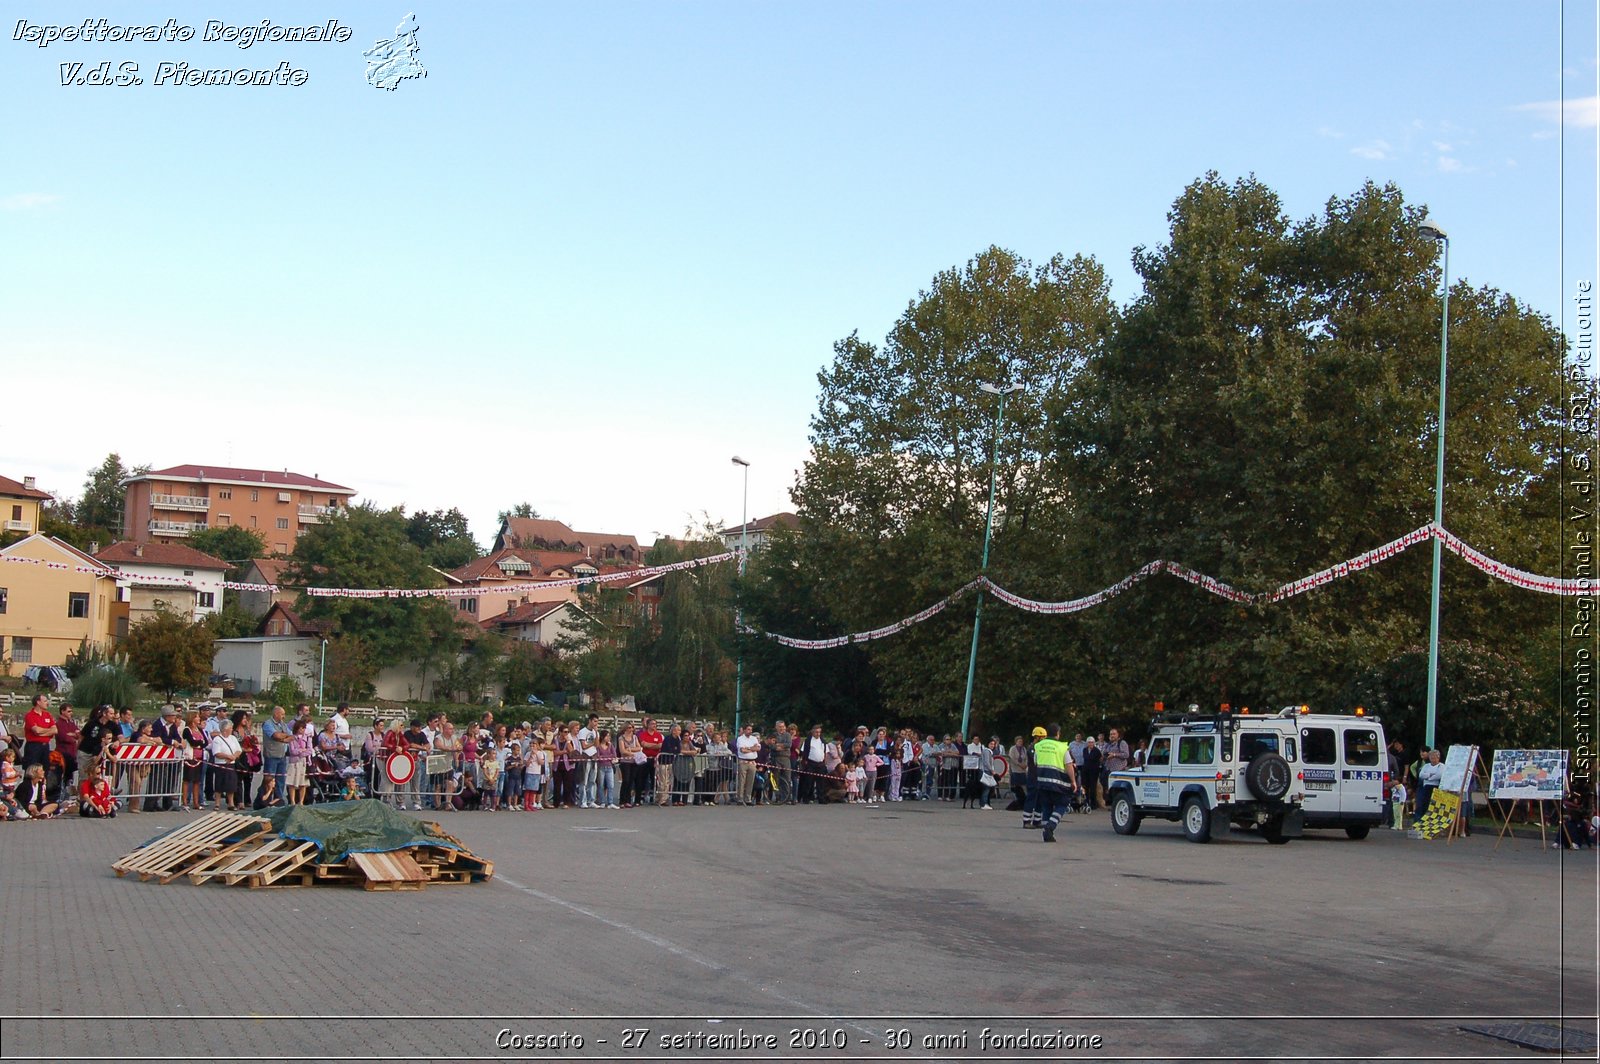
x=394 y=870
x=259 y=862
x=171 y=854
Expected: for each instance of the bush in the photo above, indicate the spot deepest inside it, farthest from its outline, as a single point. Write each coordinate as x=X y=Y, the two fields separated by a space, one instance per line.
x=110 y=684
x=284 y=692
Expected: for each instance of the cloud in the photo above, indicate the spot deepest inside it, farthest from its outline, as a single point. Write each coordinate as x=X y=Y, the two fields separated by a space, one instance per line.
x=1378 y=149
x=27 y=201
x=1582 y=112
x=1440 y=145
x=1447 y=165
x=1330 y=132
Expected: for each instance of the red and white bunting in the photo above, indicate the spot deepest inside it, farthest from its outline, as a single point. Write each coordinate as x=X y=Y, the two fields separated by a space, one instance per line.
x=1550 y=585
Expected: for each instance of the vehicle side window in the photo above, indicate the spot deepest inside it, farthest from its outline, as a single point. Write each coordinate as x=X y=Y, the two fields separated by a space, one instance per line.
x=1289 y=753
x=1255 y=743
x=1160 y=751
x=1196 y=749
x=1361 y=747
x=1321 y=747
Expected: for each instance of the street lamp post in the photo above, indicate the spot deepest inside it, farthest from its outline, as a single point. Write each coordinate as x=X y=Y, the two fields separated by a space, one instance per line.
x=988 y=525
x=322 y=671
x=1429 y=228
x=738 y=613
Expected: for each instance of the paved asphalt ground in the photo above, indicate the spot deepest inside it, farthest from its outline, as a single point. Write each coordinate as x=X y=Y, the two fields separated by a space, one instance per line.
x=845 y=924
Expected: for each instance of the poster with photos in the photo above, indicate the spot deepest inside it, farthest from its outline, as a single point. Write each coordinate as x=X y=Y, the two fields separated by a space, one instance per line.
x=1540 y=775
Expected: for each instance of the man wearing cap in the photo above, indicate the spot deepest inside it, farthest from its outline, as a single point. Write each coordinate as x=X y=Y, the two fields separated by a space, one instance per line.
x=1030 y=797
x=1055 y=779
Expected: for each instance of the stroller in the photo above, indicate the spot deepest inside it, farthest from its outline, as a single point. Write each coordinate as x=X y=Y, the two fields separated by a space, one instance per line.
x=334 y=778
x=1079 y=801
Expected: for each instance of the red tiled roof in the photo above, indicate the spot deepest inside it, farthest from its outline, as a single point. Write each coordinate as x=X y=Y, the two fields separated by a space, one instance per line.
x=271 y=569
x=527 y=613
x=174 y=555
x=300 y=625
x=232 y=474
x=533 y=531
x=16 y=490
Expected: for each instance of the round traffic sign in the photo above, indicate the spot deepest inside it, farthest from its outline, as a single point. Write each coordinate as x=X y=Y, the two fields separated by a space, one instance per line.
x=400 y=767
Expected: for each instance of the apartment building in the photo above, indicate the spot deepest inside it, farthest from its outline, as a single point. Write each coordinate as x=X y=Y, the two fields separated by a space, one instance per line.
x=168 y=504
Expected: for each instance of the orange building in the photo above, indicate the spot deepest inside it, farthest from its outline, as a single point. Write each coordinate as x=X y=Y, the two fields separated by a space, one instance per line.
x=168 y=504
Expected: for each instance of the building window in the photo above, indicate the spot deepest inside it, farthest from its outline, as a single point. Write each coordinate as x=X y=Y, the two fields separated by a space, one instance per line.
x=277 y=669
x=22 y=649
x=78 y=604
x=224 y=520
x=283 y=524
x=16 y=513
x=283 y=548
x=252 y=520
x=224 y=493
x=255 y=496
x=206 y=599
x=2 y=600
x=466 y=605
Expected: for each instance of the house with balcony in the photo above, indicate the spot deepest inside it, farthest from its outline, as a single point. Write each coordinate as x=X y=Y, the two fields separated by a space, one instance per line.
x=504 y=578
x=169 y=504
x=172 y=575
x=20 y=506
x=54 y=598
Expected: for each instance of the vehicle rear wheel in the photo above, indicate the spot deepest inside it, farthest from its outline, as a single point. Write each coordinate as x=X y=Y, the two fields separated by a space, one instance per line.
x=1272 y=831
x=1196 y=821
x=1124 y=817
x=1267 y=776
x=1358 y=831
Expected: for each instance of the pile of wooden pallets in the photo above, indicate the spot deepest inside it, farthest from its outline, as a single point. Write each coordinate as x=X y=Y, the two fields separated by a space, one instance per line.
x=234 y=848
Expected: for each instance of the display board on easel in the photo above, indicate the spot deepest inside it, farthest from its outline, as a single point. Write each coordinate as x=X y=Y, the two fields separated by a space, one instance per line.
x=1448 y=803
x=1536 y=776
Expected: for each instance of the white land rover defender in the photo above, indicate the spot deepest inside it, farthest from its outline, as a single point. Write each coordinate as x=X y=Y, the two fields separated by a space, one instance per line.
x=1212 y=770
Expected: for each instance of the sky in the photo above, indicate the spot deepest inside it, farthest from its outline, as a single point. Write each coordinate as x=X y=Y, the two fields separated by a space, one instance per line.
x=603 y=247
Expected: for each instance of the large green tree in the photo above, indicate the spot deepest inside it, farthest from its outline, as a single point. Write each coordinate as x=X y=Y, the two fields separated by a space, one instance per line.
x=100 y=508
x=169 y=652
x=367 y=547
x=234 y=544
x=895 y=494
x=443 y=537
x=1267 y=407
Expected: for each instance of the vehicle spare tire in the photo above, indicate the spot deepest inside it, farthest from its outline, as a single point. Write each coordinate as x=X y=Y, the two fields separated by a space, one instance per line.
x=1267 y=776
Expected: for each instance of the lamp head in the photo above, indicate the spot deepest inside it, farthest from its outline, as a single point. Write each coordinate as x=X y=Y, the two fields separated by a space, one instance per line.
x=992 y=389
x=1430 y=229
x=740 y=461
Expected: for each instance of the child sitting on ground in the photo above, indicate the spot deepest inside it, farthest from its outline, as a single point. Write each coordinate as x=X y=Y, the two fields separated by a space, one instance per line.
x=94 y=795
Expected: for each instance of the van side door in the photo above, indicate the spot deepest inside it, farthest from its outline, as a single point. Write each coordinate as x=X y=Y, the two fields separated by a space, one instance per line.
x=1361 y=773
x=1320 y=746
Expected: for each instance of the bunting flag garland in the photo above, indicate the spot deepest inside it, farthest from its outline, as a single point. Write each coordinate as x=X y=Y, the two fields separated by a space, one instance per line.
x=1548 y=585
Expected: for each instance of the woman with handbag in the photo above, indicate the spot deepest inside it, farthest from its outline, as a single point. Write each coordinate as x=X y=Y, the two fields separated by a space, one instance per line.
x=249 y=762
x=631 y=751
x=195 y=746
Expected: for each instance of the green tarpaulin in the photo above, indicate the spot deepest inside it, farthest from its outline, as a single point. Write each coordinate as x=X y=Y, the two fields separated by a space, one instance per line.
x=342 y=828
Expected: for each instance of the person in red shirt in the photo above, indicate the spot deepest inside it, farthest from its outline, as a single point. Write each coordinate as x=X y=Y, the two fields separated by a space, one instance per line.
x=94 y=794
x=38 y=729
x=650 y=740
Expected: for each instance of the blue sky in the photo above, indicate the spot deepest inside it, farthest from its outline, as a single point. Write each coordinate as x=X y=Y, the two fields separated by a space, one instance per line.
x=603 y=247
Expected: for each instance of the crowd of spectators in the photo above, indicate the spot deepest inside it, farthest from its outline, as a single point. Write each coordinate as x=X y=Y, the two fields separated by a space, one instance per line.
x=224 y=760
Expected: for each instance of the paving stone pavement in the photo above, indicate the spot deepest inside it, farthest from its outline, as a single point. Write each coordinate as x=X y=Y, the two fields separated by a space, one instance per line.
x=860 y=920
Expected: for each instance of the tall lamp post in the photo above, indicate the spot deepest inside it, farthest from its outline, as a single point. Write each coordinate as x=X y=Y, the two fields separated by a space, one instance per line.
x=738 y=613
x=988 y=525
x=322 y=671
x=1430 y=229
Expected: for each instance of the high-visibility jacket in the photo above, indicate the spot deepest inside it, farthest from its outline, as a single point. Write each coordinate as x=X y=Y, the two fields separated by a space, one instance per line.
x=1050 y=755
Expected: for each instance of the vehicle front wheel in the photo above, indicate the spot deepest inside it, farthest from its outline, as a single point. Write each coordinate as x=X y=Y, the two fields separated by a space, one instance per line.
x=1196 y=821
x=1358 y=831
x=1124 y=817
x=1272 y=831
